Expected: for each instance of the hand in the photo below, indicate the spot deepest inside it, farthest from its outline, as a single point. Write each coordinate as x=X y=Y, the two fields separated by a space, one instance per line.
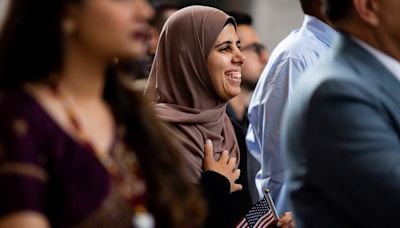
x=286 y=220
x=224 y=166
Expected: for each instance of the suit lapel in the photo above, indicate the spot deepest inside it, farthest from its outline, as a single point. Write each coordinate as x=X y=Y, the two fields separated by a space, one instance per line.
x=369 y=68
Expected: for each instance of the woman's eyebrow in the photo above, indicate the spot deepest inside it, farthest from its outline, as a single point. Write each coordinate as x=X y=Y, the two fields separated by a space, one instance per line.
x=223 y=43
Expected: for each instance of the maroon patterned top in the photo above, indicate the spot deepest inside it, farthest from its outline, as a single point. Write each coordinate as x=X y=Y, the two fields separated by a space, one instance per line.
x=44 y=169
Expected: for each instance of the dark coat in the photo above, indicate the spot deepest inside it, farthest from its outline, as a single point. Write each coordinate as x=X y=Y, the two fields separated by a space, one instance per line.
x=341 y=133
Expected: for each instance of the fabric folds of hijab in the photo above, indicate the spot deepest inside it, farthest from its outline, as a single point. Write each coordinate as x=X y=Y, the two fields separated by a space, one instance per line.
x=181 y=88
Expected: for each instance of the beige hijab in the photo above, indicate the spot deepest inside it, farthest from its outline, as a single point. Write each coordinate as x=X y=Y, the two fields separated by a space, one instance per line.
x=181 y=88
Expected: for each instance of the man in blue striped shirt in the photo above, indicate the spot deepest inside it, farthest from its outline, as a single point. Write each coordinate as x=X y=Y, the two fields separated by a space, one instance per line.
x=291 y=58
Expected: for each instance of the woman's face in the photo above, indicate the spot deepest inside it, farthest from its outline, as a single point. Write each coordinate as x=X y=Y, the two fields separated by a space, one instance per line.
x=112 y=28
x=224 y=64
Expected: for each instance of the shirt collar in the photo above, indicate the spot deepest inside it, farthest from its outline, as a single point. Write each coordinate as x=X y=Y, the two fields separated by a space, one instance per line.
x=322 y=31
x=390 y=63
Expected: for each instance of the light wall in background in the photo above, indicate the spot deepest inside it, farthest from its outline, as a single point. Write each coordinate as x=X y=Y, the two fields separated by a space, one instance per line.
x=3 y=7
x=275 y=19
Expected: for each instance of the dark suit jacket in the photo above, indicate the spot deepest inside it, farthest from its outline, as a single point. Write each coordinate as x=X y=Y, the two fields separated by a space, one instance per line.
x=341 y=135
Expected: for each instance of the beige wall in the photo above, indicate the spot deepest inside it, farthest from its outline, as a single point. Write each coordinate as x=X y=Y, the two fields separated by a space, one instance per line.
x=274 y=19
x=3 y=6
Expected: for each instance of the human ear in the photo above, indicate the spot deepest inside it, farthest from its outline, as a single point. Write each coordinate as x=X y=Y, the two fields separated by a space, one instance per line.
x=367 y=10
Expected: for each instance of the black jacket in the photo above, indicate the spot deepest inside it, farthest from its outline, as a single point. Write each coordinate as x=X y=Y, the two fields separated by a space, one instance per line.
x=225 y=209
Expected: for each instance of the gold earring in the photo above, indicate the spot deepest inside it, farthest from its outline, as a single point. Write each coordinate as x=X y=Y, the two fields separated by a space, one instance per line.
x=68 y=26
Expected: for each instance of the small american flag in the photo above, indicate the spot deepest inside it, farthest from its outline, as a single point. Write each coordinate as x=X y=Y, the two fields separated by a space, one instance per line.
x=261 y=215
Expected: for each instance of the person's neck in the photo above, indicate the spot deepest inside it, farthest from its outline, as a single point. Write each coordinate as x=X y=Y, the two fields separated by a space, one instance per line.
x=377 y=38
x=82 y=75
x=324 y=19
x=317 y=12
x=386 y=45
x=240 y=103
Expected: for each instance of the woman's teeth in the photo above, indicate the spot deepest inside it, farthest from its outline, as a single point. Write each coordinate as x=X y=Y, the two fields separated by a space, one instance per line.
x=236 y=76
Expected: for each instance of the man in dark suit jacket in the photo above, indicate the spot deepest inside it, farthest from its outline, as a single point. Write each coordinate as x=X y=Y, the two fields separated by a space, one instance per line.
x=341 y=130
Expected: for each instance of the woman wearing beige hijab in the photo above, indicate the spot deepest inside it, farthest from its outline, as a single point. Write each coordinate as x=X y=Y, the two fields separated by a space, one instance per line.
x=197 y=69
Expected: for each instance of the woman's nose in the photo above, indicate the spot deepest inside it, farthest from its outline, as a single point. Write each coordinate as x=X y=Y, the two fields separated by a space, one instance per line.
x=239 y=58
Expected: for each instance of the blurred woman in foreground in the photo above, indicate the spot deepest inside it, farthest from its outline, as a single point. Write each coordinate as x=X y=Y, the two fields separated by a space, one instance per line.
x=78 y=148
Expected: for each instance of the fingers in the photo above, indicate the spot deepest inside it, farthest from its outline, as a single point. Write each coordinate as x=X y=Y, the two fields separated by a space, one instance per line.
x=236 y=174
x=236 y=187
x=286 y=220
x=208 y=155
x=288 y=225
x=208 y=152
x=224 y=157
x=232 y=162
x=225 y=165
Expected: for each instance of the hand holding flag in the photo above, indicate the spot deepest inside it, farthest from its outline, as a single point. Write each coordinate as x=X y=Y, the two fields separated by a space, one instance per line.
x=262 y=214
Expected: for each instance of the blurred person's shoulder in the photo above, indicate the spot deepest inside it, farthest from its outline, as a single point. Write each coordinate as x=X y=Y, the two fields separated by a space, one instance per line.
x=20 y=110
x=14 y=101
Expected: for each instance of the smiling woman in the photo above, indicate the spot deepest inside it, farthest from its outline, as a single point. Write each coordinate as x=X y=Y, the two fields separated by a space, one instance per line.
x=224 y=63
x=197 y=69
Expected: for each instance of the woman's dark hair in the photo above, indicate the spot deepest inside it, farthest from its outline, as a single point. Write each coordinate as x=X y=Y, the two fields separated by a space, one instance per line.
x=31 y=49
x=30 y=41
x=232 y=21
